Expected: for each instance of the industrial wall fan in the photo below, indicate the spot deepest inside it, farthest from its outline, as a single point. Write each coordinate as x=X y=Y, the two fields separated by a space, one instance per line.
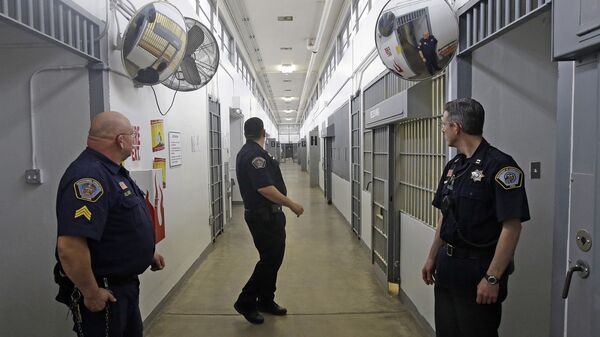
x=200 y=60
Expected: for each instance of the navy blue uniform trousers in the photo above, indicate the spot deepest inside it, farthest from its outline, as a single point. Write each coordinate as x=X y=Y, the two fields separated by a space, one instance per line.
x=268 y=233
x=125 y=319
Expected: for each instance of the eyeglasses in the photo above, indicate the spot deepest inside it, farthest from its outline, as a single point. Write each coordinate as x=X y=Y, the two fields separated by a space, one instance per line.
x=131 y=134
x=444 y=125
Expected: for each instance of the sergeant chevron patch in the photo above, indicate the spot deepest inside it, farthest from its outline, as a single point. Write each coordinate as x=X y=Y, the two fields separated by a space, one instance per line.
x=83 y=212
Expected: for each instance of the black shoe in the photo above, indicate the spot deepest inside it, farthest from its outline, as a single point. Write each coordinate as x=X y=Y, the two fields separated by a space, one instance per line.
x=251 y=315
x=272 y=308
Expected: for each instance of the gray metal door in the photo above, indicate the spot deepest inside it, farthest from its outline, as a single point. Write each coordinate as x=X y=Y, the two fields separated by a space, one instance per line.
x=355 y=160
x=327 y=162
x=302 y=154
x=582 y=309
x=216 y=168
x=314 y=157
x=385 y=246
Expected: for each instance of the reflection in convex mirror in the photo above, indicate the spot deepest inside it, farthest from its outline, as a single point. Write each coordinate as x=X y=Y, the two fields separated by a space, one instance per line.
x=154 y=43
x=416 y=39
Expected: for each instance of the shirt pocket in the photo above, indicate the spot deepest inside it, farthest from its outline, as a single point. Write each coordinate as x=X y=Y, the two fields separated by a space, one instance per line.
x=474 y=204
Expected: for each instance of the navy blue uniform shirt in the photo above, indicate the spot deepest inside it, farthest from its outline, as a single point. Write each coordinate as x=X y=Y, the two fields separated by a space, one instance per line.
x=481 y=193
x=255 y=169
x=428 y=46
x=98 y=200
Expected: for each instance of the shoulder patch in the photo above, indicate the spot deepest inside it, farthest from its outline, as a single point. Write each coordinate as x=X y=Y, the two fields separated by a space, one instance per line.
x=88 y=189
x=259 y=162
x=510 y=177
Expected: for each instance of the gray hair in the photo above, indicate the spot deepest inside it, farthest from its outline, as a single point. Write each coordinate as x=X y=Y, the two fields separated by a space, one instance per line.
x=468 y=113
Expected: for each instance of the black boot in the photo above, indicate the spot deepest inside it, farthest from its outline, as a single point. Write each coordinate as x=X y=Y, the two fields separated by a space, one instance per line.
x=250 y=314
x=272 y=308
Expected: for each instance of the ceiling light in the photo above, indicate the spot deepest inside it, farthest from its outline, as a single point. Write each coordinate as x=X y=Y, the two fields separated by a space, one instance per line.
x=288 y=99
x=289 y=110
x=287 y=68
x=288 y=119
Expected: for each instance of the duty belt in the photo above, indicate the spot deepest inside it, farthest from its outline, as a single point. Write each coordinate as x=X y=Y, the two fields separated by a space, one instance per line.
x=269 y=209
x=466 y=253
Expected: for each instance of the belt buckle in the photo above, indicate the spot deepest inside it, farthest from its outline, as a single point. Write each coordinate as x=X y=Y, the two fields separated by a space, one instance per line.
x=449 y=249
x=276 y=209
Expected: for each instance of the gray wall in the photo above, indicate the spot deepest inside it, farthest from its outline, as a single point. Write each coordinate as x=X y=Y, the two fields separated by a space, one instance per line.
x=27 y=289
x=516 y=82
x=340 y=162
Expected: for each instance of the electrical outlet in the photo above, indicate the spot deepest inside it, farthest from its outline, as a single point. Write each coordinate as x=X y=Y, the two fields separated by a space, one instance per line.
x=33 y=176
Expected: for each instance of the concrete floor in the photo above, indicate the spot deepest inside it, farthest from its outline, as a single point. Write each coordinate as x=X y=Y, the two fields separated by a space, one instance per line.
x=326 y=281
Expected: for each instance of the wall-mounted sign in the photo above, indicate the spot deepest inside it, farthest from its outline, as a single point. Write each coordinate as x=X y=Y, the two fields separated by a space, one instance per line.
x=158 y=134
x=175 y=150
x=135 y=149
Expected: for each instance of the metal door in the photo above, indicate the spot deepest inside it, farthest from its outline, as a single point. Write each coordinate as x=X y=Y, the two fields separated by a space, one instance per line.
x=327 y=162
x=582 y=310
x=302 y=157
x=216 y=168
x=355 y=160
x=384 y=232
x=314 y=157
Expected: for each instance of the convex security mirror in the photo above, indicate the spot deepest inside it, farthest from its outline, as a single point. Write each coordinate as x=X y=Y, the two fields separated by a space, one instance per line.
x=154 y=43
x=416 y=39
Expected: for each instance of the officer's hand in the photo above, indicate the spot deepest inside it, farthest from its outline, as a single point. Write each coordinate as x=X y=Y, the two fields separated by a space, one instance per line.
x=427 y=271
x=97 y=300
x=297 y=208
x=424 y=60
x=158 y=262
x=487 y=293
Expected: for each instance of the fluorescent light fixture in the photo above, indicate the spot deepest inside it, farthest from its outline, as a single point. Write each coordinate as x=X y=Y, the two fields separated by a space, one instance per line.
x=288 y=119
x=288 y=110
x=288 y=99
x=287 y=68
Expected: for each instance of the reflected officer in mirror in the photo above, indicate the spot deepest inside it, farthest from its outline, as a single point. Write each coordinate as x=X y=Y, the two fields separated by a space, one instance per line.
x=264 y=193
x=482 y=198
x=428 y=52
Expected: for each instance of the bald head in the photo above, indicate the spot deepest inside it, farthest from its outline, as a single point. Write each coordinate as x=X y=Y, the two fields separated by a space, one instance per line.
x=108 y=125
x=111 y=134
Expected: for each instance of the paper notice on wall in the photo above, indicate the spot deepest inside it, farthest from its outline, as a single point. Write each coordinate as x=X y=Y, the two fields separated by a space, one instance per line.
x=175 y=150
x=161 y=164
x=158 y=134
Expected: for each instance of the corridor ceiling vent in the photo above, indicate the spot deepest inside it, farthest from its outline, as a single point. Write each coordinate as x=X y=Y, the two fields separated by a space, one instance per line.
x=287 y=81
x=416 y=40
x=200 y=61
x=286 y=48
x=154 y=43
x=285 y=18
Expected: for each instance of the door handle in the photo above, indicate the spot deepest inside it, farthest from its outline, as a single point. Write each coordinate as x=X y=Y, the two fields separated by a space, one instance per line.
x=584 y=271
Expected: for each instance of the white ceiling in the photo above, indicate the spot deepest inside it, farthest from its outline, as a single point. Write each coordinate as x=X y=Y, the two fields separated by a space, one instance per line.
x=270 y=35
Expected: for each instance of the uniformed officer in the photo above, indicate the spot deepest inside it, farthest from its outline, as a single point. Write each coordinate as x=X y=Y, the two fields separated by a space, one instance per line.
x=482 y=199
x=263 y=191
x=428 y=50
x=105 y=234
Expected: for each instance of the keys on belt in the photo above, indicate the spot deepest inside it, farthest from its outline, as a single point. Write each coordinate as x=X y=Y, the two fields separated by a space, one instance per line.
x=460 y=252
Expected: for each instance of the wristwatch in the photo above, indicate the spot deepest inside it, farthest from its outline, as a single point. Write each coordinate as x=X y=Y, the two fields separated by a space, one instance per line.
x=491 y=279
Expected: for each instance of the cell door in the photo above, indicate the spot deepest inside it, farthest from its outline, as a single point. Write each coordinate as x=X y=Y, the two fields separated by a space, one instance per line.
x=355 y=160
x=314 y=156
x=384 y=232
x=216 y=168
x=583 y=263
x=327 y=160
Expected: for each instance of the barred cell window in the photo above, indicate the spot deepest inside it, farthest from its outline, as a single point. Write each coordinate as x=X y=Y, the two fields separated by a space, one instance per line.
x=420 y=160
